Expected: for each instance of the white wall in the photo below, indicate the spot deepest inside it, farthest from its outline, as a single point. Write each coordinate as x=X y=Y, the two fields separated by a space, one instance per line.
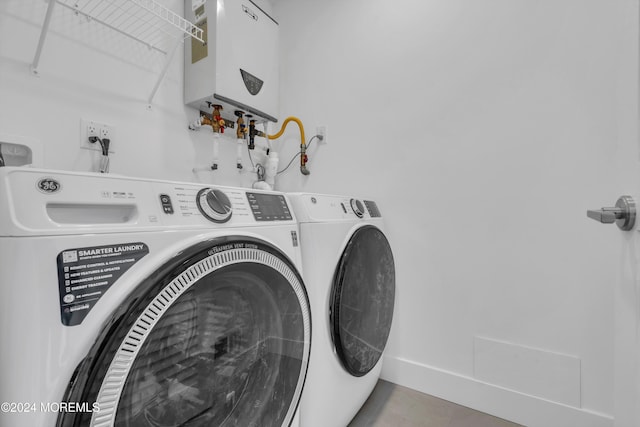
x=88 y=71
x=484 y=129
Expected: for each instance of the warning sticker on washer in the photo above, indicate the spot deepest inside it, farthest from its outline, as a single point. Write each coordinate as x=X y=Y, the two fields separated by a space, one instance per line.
x=85 y=274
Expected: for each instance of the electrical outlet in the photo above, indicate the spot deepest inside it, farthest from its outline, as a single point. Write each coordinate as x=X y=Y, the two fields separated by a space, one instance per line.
x=105 y=132
x=90 y=128
x=321 y=131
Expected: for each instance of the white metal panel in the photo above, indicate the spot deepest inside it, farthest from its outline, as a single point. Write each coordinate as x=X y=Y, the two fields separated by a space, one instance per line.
x=241 y=36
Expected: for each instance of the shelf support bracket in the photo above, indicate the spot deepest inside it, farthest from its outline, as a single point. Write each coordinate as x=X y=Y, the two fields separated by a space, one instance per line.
x=43 y=37
x=164 y=71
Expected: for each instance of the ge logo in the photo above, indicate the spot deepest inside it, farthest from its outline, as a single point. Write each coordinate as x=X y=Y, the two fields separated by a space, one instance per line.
x=48 y=185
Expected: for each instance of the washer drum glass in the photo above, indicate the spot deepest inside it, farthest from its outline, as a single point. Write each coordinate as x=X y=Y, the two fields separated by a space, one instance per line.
x=222 y=342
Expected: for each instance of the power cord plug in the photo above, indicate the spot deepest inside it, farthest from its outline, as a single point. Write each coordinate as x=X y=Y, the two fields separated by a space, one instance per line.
x=104 y=143
x=104 y=148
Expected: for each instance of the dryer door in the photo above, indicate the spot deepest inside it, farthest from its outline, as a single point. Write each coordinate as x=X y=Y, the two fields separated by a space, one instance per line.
x=362 y=300
x=220 y=337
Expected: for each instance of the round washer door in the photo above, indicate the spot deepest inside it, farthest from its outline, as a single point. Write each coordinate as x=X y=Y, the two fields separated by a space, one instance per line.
x=362 y=300
x=220 y=337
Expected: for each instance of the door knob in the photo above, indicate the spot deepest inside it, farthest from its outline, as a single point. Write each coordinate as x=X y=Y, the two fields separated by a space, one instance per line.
x=623 y=214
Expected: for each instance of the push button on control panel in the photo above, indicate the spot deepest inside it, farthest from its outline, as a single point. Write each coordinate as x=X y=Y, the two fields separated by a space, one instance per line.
x=165 y=201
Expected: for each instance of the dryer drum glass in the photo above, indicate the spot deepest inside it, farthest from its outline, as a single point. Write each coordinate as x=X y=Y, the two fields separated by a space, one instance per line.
x=362 y=300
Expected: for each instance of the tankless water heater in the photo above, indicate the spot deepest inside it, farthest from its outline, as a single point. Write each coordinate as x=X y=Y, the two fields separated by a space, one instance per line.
x=237 y=66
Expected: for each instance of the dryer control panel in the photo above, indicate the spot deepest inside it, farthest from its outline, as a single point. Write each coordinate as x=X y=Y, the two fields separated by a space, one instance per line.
x=322 y=207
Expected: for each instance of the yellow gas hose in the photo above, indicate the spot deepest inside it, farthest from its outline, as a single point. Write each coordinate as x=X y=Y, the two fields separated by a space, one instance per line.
x=303 y=146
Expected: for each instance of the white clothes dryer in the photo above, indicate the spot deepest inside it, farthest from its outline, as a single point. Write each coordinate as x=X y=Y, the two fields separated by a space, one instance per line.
x=349 y=272
x=132 y=303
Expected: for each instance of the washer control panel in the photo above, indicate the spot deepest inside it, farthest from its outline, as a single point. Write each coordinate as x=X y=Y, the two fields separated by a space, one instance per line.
x=45 y=202
x=224 y=205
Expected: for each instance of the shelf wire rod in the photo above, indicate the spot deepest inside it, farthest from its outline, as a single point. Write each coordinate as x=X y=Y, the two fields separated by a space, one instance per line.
x=122 y=15
x=86 y=10
x=114 y=10
x=161 y=33
x=148 y=33
x=125 y=15
x=150 y=25
x=171 y=17
x=167 y=33
x=145 y=28
x=43 y=37
x=131 y=24
x=164 y=70
x=154 y=36
x=159 y=11
x=116 y=29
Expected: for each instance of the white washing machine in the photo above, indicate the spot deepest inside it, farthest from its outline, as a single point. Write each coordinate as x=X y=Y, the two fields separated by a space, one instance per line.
x=350 y=277
x=134 y=302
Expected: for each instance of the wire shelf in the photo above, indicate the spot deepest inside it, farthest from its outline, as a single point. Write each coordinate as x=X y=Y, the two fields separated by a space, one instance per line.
x=145 y=21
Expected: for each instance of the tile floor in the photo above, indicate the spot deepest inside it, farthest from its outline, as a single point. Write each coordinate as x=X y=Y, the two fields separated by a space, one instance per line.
x=391 y=405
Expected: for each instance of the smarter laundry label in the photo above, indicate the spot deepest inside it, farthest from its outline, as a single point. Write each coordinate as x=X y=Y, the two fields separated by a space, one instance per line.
x=85 y=274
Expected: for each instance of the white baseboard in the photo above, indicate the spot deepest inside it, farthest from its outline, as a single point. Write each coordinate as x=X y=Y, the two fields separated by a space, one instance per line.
x=530 y=411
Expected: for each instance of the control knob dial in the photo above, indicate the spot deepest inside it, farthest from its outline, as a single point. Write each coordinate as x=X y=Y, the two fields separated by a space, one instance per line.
x=358 y=207
x=214 y=205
